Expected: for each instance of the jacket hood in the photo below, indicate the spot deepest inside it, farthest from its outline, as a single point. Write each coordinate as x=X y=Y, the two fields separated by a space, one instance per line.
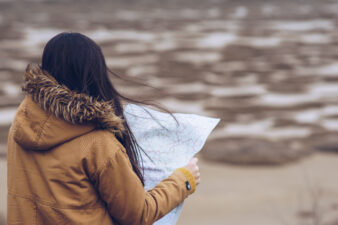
x=52 y=114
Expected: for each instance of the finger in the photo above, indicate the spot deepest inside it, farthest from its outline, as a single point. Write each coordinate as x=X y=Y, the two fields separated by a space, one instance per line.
x=198 y=181
x=194 y=160
x=197 y=177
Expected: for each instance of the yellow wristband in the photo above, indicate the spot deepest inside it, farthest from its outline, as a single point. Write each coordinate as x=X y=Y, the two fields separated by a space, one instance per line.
x=189 y=177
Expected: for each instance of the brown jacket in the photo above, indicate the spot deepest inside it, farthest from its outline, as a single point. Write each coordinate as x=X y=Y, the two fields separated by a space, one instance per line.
x=65 y=165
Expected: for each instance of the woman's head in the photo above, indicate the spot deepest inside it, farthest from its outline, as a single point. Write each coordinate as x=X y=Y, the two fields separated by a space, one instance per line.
x=77 y=62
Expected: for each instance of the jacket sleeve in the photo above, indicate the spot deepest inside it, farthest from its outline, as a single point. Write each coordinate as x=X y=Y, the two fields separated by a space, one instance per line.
x=125 y=197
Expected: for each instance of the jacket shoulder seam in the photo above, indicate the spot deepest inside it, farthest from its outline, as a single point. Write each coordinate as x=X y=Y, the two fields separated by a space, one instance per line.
x=42 y=130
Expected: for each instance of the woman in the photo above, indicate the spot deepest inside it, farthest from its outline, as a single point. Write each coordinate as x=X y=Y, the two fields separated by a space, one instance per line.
x=72 y=158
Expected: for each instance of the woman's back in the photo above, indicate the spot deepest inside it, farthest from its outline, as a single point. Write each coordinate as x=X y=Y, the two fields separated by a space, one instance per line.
x=49 y=164
x=72 y=158
x=65 y=173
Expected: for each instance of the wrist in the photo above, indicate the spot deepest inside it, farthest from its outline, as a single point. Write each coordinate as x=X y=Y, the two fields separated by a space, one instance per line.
x=191 y=182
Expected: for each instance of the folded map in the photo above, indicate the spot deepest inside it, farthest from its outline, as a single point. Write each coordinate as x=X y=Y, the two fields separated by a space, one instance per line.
x=169 y=142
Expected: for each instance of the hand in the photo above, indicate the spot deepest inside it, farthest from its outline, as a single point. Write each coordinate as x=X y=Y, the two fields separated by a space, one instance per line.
x=193 y=168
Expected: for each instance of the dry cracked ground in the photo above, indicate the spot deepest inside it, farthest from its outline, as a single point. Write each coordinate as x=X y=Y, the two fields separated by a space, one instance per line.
x=268 y=69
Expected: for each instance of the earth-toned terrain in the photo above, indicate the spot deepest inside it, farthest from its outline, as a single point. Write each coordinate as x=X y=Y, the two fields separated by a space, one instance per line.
x=268 y=69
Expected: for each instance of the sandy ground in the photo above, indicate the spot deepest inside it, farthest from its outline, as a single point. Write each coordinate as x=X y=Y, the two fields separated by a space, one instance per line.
x=3 y=189
x=235 y=195
x=292 y=194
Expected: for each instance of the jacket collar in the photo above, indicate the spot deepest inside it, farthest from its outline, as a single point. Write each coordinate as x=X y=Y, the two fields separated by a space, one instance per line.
x=75 y=108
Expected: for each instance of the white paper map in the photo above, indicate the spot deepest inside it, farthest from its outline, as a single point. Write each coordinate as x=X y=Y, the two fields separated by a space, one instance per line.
x=169 y=145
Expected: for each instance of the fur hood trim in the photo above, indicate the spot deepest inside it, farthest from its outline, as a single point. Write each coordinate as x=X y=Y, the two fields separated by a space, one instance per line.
x=75 y=108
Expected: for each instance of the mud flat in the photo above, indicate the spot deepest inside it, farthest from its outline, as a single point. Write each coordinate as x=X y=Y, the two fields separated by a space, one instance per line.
x=268 y=69
x=256 y=195
x=3 y=190
x=299 y=193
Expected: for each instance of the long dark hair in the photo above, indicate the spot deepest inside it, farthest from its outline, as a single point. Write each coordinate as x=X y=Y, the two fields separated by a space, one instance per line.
x=77 y=62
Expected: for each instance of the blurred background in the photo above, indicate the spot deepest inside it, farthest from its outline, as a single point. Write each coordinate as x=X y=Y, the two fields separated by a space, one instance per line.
x=268 y=69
